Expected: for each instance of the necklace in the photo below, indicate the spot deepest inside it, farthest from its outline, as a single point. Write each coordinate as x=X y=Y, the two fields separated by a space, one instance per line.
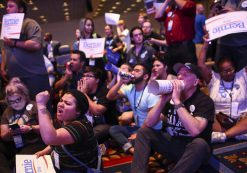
x=138 y=104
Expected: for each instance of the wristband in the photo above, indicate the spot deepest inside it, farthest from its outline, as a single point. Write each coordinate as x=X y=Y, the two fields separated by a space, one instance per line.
x=176 y=107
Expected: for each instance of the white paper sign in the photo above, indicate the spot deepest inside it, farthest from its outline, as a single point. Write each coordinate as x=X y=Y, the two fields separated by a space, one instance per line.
x=157 y=6
x=92 y=47
x=112 y=18
x=228 y=23
x=11 y=25
x=30 y=164
x=149 y=5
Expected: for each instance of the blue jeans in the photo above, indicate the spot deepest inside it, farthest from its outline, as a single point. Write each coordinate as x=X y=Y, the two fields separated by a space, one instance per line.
x=122 y=133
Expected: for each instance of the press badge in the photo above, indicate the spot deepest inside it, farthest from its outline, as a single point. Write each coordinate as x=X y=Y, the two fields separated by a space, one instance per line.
x=170 y=23
x=92 y=62
x=56 y=159
x=234 y=109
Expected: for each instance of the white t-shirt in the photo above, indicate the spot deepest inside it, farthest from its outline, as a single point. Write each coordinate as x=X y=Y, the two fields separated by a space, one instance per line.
x=220 y=93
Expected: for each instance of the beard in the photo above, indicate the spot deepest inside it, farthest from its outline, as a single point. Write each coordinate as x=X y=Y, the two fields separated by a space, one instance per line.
x=137 y=80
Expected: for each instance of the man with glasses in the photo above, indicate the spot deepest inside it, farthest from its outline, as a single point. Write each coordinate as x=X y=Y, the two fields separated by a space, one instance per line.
x=151 y=37
x=141 y=102
x=102 y=112
x=73 y=72
x=189 y=117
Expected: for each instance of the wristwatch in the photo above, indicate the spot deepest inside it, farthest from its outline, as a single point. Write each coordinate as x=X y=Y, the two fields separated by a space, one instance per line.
x=176 y=107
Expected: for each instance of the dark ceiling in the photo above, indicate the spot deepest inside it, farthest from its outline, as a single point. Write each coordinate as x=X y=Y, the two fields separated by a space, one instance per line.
x=50 y=11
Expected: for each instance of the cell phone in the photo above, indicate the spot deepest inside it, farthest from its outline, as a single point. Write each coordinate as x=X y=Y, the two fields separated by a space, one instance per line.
x=14 y=126
x=69 y=65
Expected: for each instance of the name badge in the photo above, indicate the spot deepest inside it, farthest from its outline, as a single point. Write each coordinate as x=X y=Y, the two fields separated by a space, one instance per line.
x=92 y=62
x=170 y=23
x=234 y=109
x=56 y=159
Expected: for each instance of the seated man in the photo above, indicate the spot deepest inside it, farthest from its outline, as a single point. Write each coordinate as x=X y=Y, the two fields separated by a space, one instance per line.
x=74 y=71
x=189 y=125
x=140 y=100
x=102 y=112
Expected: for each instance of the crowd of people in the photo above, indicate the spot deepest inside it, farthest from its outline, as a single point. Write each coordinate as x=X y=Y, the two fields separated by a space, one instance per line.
x=71 y=116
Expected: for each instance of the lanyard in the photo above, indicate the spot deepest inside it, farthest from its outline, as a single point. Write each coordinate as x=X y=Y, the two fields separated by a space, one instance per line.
x=138 y=104
x=229 y=93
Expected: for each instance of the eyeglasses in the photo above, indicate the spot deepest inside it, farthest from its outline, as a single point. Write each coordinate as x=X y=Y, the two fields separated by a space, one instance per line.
x=16 y=101
x=88 y=76
x=230 y=70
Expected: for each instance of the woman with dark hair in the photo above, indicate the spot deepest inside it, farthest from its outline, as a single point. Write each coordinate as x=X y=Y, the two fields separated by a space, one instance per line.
x=228 y=90
x=72 y=143
x=160 y=70
x=86 y=27
x=19 y=125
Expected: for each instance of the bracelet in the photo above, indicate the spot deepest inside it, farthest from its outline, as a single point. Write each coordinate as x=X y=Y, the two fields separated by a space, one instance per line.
x=176 y=107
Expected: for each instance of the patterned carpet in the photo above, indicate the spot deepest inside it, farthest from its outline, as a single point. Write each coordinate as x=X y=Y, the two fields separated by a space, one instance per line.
x=115 y=160
x=230 y=157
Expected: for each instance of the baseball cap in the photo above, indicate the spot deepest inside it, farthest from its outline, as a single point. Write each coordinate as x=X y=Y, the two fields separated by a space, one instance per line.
x=193 y=68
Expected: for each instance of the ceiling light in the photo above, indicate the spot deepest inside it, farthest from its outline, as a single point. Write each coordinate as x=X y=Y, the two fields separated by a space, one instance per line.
x=65 y=9
x=98 y=9
x=35 y=8
x=114 y=7
x=101 y=5
x=138 y=1
x=41 y=17
x=110 y=11
x=65 y=4
x=67 y=18
x=125 y=11
x=128 y=9
x=66 y=13
x=118 y=3
x=44 y=20
x=133 y=5
x=103 y=0
x=30 y=2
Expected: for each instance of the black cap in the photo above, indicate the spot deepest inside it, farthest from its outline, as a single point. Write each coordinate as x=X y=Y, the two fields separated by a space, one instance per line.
x=193 y=68
x=81 y=99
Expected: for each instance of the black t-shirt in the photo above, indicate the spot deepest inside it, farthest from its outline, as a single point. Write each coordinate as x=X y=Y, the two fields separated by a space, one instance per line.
x=85 y=147
x=155 y=36
x=198 y=105
x=110 y=115
x=145 y=56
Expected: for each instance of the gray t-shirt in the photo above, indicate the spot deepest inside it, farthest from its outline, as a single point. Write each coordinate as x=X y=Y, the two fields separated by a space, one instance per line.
x=24 y=63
